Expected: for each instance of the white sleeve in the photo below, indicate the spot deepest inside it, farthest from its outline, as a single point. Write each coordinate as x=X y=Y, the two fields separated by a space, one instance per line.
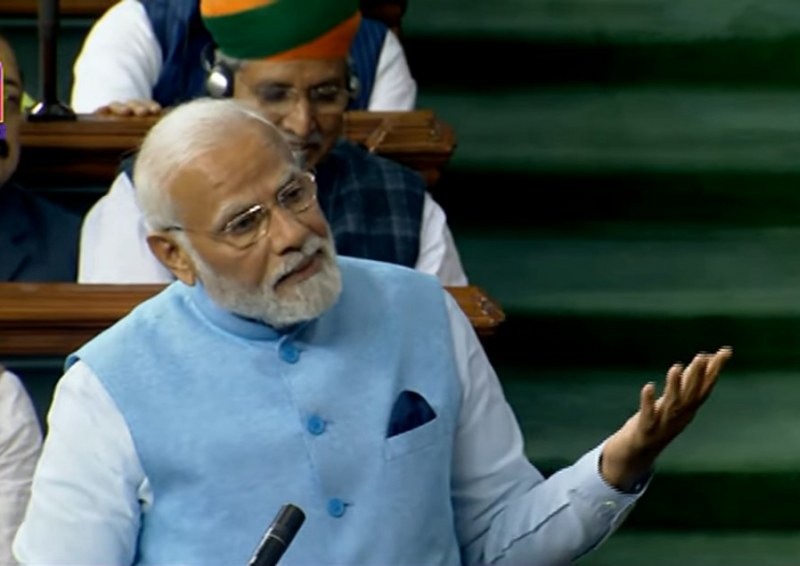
x=505 y=511
x=89 y=489
x=437 y=251
x=119 y=61
x=394 y=87
x=113 y=247
x=20 y=442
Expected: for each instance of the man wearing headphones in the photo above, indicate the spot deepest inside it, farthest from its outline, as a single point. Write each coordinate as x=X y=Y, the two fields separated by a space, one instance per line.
x=298 y=77
x=145 y=55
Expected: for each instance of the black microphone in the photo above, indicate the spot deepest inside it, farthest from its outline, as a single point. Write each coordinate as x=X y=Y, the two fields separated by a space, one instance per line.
x=279 y=536
x=49 y=107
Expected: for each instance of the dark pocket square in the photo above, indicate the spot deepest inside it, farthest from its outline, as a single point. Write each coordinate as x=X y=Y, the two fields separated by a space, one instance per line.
x=410 y=411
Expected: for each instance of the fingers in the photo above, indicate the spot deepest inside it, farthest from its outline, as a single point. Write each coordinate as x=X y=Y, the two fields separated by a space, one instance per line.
x=672 y=390
x=693 y=378
x=150 y=108
x=660 y=420
x=647 y=406
x=135 y=108
x=139 y=108
x=715 y=365
x=700 y=377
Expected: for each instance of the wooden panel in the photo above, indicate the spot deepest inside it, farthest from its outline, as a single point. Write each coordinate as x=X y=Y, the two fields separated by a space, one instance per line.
x=88 y=150
x=388 y=11
x=483 y=312
x=57 y=318
x=82 y=8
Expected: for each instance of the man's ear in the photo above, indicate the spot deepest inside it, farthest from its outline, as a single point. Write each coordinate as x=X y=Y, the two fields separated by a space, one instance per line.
x=172 y=256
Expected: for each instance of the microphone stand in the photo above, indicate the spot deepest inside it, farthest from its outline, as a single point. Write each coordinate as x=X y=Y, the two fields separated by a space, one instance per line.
x=49 y=108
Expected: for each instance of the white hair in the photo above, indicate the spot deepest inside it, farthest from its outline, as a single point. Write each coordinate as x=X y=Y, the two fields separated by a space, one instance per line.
x=184 y=134
x=305 y=301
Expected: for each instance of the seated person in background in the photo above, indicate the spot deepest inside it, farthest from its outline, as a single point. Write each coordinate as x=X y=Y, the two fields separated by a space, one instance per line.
x=356 y=390
x=377 y=209
x=38 y=240
x=20 y=442
x=144 y=55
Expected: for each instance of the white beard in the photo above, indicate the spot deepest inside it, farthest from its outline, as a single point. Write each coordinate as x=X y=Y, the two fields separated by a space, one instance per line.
x=306 y=300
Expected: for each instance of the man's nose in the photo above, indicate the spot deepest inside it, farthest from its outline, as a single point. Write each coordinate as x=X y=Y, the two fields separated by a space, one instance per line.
x=300 y=120
x=286 y=232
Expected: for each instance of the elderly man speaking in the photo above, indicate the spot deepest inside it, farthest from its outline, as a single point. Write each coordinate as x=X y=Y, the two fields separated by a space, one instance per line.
x=272 y=371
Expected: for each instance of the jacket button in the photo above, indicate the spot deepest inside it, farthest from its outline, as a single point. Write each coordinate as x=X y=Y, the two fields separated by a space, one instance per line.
x=336 y=507
x=289 y=353
x=315 y=425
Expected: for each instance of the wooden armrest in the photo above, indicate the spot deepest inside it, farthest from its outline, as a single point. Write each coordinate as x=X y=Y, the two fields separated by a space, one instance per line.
x=88 y=151
x=483 y=312
x=57 y=318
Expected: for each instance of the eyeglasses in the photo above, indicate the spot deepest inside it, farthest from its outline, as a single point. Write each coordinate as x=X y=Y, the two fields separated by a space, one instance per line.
x=281 y=100
x=249 y=226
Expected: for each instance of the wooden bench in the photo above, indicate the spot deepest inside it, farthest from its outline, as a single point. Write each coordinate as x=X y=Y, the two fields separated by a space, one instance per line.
x=46 y=319
x=67 y=8
x=389 y=12
x=88 y=150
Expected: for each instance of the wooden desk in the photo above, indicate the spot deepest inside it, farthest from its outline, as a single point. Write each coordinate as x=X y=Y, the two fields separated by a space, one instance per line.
x=57 y=318
x=69 y=8
x=88 y=151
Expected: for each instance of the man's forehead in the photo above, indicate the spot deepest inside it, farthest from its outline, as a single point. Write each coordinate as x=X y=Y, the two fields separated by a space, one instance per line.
x=292 y=72
x=213 y=180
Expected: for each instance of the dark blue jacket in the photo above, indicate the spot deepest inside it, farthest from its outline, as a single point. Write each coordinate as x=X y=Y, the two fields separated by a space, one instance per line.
x=38 y=240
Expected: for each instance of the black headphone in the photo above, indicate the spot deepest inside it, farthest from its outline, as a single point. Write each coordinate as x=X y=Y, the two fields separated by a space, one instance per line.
x=219 y=75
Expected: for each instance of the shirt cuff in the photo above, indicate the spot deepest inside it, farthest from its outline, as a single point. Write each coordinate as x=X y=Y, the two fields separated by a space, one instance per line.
x=608 y=502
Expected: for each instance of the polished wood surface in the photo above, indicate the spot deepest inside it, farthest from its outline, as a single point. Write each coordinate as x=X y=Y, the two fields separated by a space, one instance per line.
x=57 y=318
x=88 y=150
x=389 y=12
x=483 y=312
x=81 y=8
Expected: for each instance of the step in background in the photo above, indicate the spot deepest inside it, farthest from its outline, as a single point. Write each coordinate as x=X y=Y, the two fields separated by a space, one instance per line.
x=740 y=440
x=697 y=548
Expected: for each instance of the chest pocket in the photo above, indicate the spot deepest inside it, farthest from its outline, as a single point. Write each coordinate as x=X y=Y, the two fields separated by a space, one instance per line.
x=411 y=441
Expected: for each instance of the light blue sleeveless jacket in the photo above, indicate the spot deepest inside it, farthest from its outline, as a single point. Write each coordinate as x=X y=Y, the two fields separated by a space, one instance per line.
x=231 y=420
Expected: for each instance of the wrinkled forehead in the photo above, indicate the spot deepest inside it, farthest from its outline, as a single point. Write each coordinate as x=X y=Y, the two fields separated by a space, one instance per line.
x=248 y=170
x=263 y=137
